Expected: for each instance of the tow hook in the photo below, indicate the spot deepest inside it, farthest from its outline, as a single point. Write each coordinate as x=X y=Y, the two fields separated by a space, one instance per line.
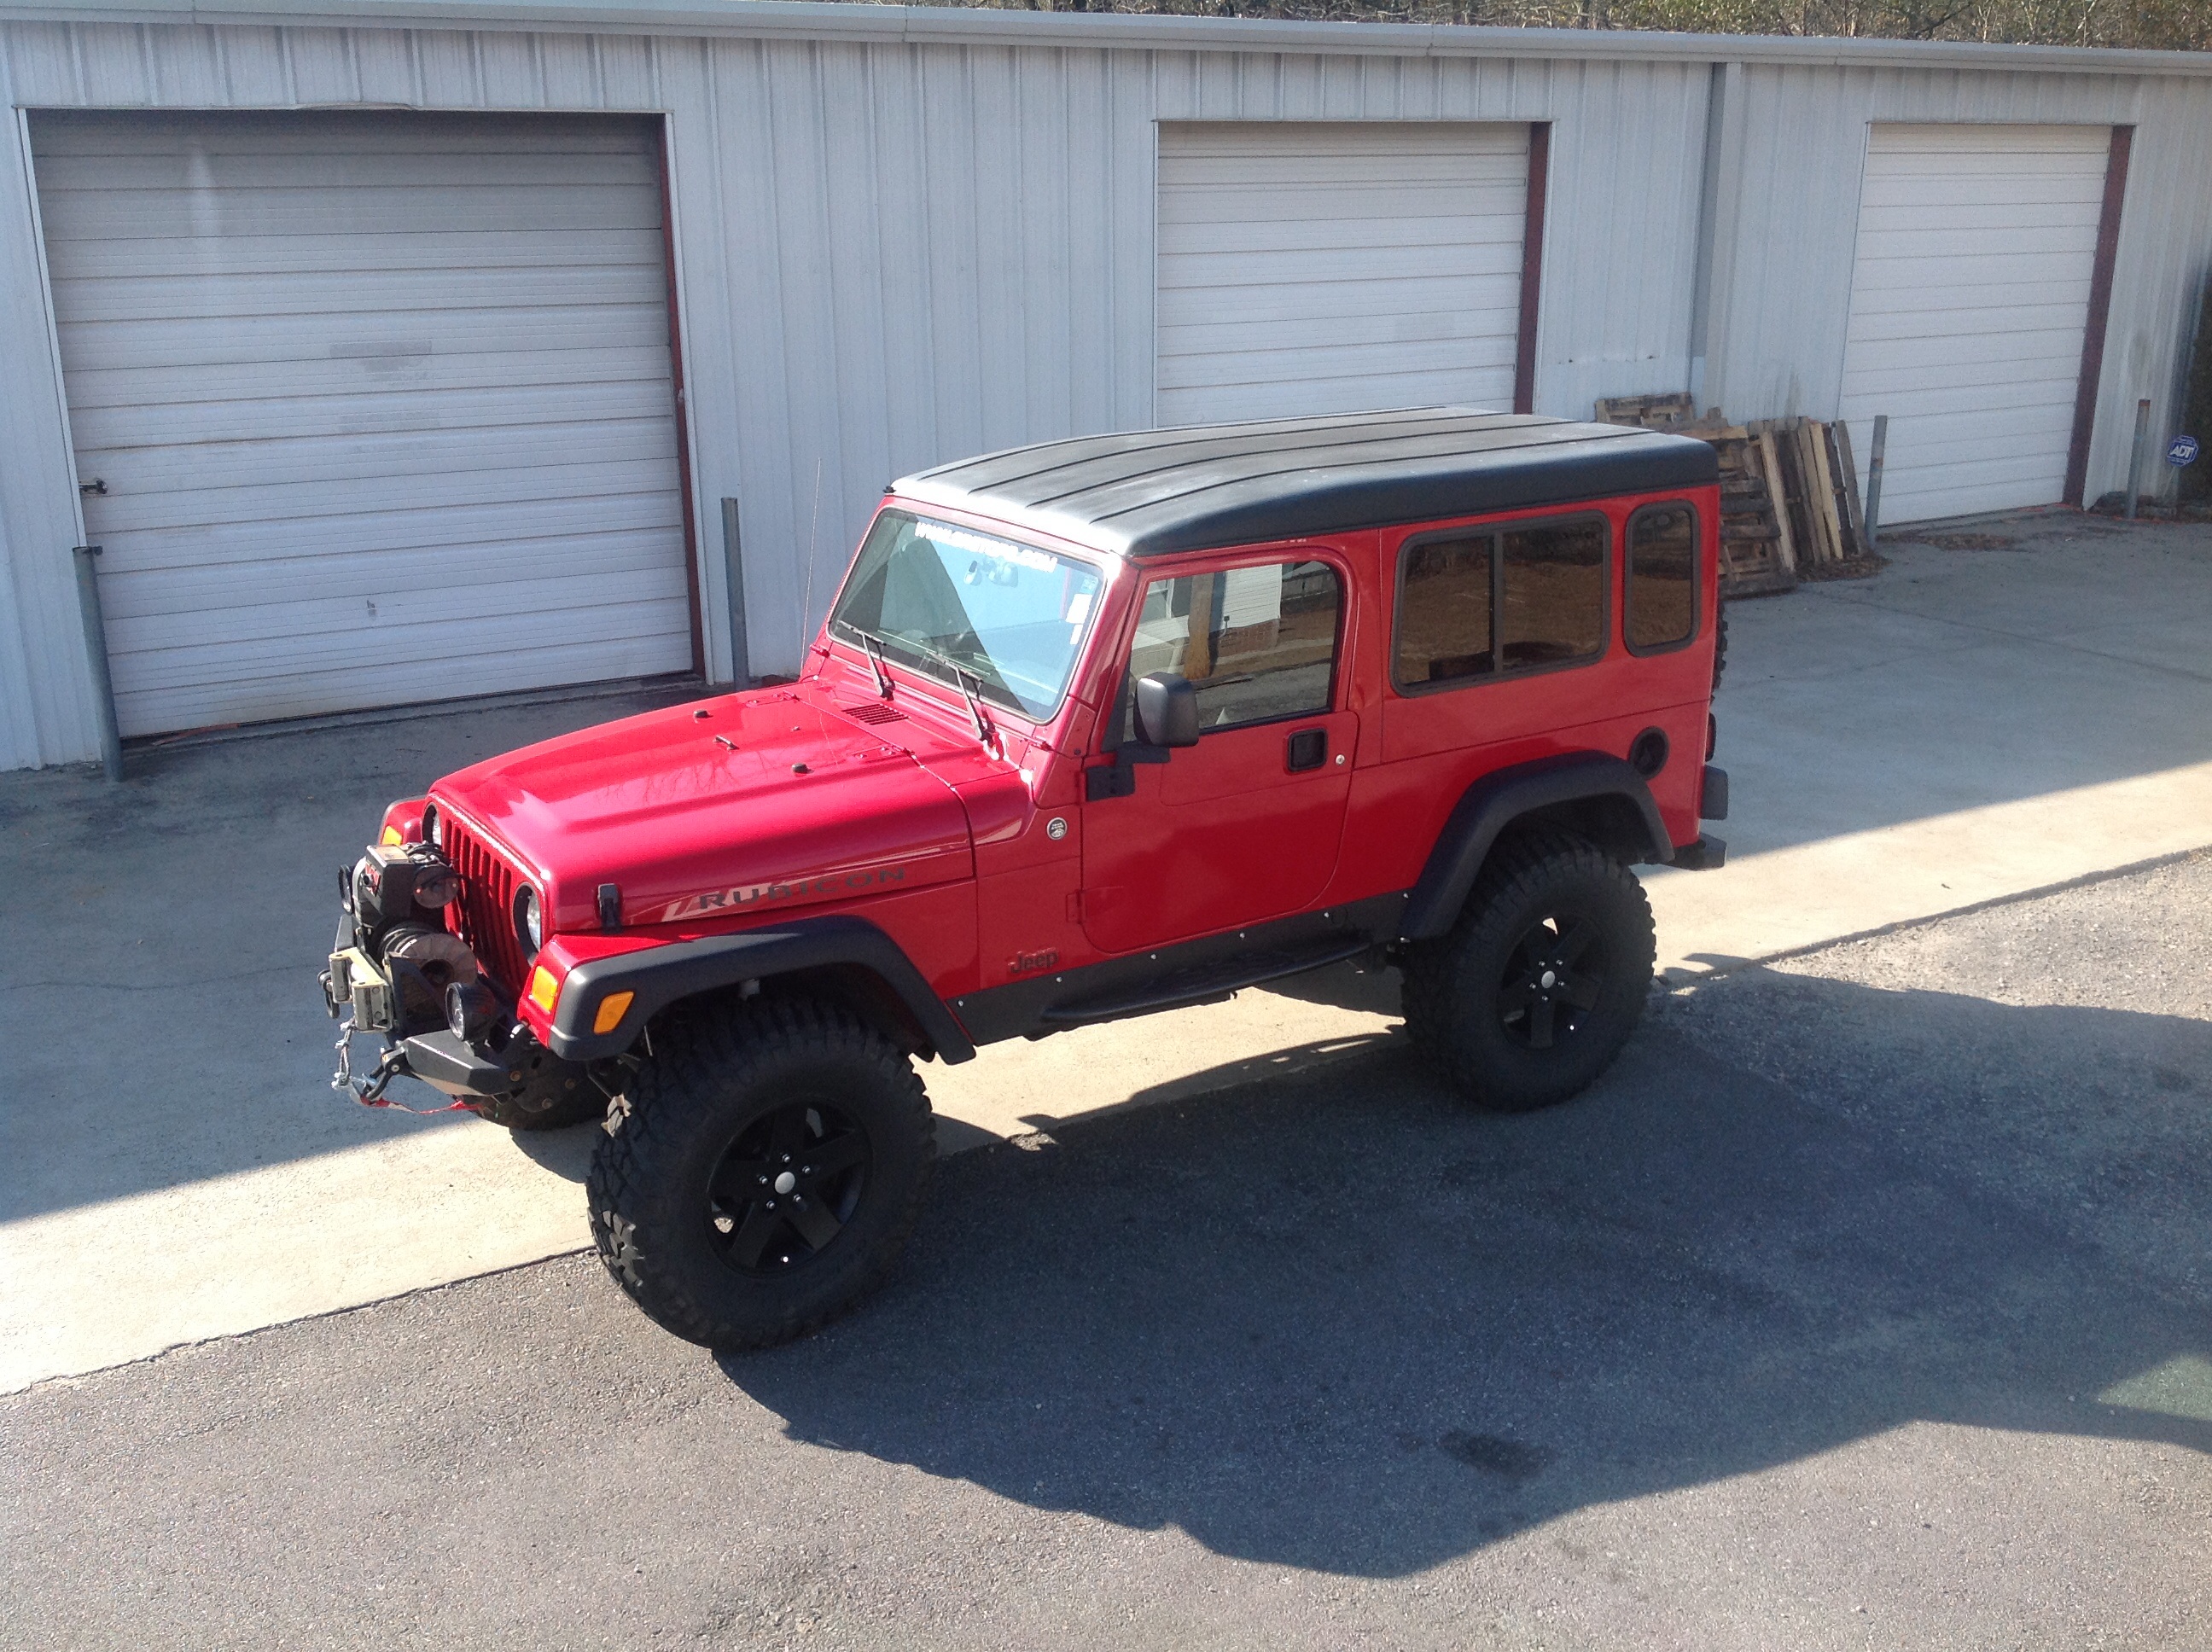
x=351 y=986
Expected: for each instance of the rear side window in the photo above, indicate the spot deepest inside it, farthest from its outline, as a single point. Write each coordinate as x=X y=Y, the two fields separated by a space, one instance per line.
x=1662 y=578
x=1554 y=606
x=1259 y=644
x=1444 y=591
x=1519 y=598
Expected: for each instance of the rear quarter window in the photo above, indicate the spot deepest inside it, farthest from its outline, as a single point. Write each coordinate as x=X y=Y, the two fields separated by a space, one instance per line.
x=1526 y=596
x=1662 y=578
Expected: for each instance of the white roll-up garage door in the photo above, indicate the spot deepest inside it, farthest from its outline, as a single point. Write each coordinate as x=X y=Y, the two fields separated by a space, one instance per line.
x=1970 y=291
x=1332 y=267
x=381 y=404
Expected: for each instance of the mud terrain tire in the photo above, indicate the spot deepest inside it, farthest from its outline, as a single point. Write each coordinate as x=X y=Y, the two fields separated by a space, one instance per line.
x=762 y=1172
x=1535 y=989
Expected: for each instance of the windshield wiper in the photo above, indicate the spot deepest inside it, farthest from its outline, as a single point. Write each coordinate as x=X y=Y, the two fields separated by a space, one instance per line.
x=871 y=646
x=983 y=729
x=960 y=675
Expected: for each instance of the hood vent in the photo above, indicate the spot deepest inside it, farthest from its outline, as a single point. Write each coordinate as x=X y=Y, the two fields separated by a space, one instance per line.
x=878 y=712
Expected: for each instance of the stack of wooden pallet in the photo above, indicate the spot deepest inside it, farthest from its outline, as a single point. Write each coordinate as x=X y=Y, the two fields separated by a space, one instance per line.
x=1790 y=494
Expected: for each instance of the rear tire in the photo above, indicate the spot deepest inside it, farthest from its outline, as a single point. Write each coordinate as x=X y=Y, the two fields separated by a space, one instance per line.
x=1534 y=992
x=762 y=1172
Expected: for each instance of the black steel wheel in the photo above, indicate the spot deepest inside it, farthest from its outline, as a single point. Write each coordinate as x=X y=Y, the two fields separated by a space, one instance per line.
x=760 y=1172
x=1555 y=979
x=1534 y=992
x=785 y=1189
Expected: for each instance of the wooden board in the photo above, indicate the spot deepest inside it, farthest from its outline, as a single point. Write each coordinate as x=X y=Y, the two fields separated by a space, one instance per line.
x=1772 y=463
x=1848 y=473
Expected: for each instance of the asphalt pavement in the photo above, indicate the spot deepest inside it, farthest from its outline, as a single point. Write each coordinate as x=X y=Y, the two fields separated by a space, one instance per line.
x=1863 y=1304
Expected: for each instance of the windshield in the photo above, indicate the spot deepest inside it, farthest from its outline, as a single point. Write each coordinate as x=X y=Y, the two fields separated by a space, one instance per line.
x=937 y=596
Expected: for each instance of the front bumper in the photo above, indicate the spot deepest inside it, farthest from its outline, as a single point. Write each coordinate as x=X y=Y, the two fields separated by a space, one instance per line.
x=363 y=997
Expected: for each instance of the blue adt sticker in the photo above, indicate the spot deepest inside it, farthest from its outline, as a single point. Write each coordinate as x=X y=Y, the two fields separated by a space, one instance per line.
x=2183 y=450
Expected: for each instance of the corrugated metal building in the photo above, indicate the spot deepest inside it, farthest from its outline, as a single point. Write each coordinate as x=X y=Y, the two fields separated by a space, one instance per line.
x=418 y=351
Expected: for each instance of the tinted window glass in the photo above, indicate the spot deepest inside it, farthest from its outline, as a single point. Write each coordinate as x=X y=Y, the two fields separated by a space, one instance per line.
x=1258 y=643
x=1554 y=607
x=1513 y=600
x=1663 y=568
x=1443 y=610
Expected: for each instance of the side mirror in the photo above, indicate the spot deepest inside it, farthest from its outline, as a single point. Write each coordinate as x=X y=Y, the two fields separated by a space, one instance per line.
x=1167 y=710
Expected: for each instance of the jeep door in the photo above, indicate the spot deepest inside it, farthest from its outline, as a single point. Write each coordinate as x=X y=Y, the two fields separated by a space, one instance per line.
x=1245 y=825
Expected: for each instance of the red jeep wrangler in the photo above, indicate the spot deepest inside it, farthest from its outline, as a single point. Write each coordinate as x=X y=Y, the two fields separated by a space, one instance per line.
x=1095 y=727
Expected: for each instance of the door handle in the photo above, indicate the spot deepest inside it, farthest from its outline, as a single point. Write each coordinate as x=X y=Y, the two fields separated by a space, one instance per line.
x=1307 y=749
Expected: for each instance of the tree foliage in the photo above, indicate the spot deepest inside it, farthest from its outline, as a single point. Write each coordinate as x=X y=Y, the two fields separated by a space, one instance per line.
x=2174 y=25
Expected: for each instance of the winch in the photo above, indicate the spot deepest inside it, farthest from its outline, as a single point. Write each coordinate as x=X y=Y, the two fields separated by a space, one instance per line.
x=396 y=970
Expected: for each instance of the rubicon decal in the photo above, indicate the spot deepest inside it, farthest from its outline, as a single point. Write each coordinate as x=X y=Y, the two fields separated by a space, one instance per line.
x=729 y=900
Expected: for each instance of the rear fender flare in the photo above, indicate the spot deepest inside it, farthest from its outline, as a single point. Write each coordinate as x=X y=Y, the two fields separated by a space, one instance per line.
x=1549 y=787
x=663 y=975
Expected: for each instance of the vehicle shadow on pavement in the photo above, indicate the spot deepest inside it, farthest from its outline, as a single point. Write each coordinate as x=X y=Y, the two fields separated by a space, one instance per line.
x=1343 y=986
x=1340 y=1322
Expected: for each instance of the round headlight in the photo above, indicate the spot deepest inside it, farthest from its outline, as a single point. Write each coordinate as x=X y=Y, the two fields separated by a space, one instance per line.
x=529 y=920
x=434 y=825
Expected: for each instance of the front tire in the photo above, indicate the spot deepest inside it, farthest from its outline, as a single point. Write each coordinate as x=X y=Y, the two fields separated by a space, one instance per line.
x=761 y=1173
x=1534 y=992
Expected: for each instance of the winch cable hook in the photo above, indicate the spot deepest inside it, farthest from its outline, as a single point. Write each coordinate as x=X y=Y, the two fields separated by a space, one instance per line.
x=370 y=1093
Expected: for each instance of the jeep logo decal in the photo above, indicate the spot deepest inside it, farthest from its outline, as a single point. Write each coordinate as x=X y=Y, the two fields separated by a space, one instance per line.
x=729 y=900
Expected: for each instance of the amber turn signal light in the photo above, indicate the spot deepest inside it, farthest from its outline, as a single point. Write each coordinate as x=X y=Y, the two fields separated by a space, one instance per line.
x=613 y=1008
x=543 y=988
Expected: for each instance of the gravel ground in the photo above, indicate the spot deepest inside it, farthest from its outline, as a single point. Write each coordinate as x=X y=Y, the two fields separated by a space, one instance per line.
x=1863 y=1304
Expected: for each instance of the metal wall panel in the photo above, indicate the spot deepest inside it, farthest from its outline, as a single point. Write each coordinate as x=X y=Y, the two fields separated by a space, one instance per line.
x=891 y=253
x=2159 y=275
x=47 y=710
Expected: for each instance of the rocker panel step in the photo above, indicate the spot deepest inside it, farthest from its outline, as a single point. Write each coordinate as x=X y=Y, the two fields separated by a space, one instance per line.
x=1199 y=983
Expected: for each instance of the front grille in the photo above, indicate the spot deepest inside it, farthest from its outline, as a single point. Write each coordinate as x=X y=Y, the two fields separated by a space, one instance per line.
x=485 y=917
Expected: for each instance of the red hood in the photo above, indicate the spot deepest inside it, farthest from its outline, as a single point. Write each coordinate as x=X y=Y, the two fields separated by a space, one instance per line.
x=687 y=825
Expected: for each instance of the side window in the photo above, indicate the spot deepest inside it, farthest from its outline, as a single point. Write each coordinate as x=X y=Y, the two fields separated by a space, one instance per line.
x=1554 y=607
x=1476 y=604
x=1663 y=577
x=1257 y=643
x=1443 y=610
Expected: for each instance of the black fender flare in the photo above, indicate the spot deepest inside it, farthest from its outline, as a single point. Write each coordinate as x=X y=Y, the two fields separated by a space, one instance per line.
x=660 y=975
x=1495 y=802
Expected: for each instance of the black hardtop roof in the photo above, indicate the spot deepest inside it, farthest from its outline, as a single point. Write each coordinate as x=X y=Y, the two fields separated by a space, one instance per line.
x=1152 y=493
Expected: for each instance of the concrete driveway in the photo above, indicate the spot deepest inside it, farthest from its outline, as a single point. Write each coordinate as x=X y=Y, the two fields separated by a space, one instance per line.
x=1970 y=724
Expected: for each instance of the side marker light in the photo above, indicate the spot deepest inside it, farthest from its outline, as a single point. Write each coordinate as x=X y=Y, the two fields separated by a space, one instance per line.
x=543 y=988
x=613 y=1008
